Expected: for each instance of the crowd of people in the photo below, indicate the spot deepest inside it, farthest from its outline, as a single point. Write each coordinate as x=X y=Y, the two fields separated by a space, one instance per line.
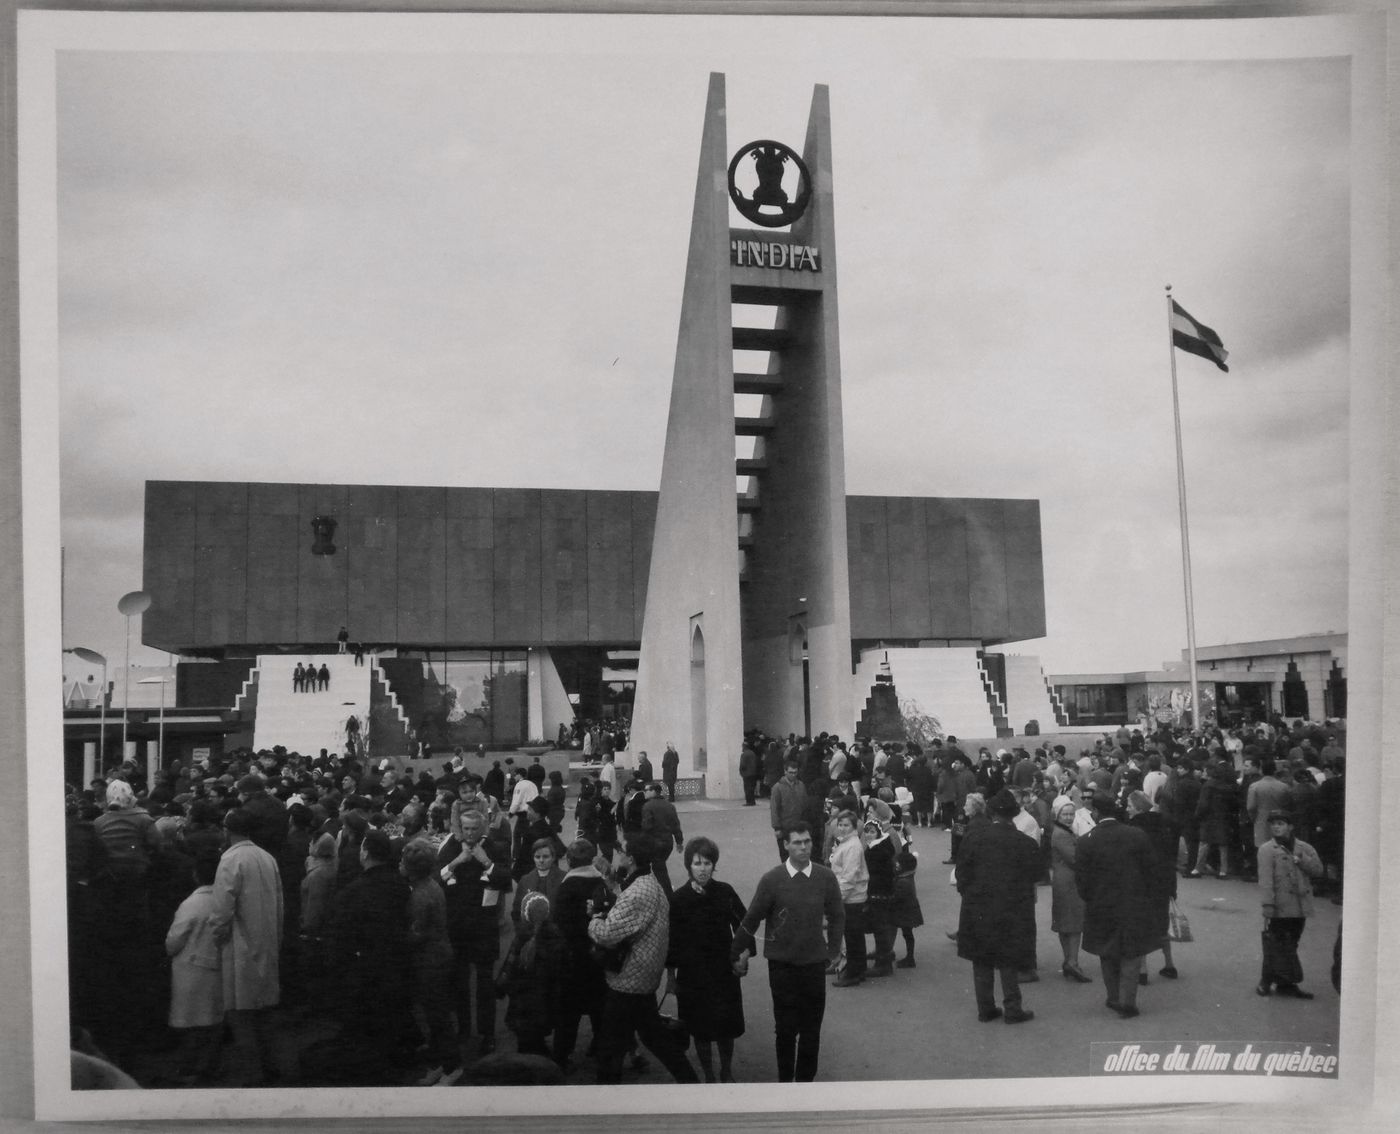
x=407 y=921
x=1109 y=830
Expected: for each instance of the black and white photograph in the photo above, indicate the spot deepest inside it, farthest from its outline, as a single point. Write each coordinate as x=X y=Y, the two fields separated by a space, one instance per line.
x=694 y=564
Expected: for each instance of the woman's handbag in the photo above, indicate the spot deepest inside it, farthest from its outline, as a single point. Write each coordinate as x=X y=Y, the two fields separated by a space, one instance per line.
x=677 y=1027
x=1178 y=927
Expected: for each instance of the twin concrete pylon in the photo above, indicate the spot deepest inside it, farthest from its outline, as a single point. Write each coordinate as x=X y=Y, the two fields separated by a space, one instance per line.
x=747 y=622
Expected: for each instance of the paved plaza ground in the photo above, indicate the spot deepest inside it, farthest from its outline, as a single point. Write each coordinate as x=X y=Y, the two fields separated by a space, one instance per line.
x=928 y=1012
x=921 y=1023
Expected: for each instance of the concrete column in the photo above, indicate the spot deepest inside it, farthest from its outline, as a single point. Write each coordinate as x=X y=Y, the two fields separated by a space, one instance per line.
x=534 y=694
x=89 y=763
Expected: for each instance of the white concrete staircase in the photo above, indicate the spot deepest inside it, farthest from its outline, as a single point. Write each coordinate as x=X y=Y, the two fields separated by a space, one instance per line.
x=1028 y=693
x=945 y=683
x=308 y=722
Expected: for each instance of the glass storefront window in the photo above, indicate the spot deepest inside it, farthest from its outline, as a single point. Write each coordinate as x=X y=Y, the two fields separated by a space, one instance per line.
x=472 y=697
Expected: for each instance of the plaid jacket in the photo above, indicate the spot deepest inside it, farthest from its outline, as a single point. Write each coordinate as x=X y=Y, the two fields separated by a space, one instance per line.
x=641 y=916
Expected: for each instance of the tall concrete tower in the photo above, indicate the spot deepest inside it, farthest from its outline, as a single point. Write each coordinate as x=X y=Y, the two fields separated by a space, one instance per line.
x=748 y=601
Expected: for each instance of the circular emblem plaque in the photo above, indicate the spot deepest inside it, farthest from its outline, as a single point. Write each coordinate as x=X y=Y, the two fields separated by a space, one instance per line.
x=770 y=161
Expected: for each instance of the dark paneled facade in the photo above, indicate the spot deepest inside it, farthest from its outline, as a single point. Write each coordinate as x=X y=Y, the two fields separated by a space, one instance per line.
x=945 y=568
x=231 y=565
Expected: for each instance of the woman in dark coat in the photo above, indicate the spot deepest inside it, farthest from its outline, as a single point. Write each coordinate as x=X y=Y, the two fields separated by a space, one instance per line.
x=922 y=782
x=704 y=914
x=1216 y=808
x=1165 y=837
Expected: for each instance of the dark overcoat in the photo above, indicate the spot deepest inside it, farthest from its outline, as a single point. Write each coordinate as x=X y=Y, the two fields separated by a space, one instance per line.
x=1114 y=868
x=997 y=871
x=1218 y=808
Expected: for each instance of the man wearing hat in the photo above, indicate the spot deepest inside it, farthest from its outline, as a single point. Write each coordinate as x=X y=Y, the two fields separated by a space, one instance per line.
x=1114 y=873
x=996 y=874
x=1286 y=867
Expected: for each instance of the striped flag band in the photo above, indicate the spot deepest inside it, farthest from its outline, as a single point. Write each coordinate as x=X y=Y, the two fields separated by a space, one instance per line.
x=1196 y=337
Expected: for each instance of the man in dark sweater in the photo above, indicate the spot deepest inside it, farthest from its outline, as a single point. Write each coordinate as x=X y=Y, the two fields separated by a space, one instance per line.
x=792 y=900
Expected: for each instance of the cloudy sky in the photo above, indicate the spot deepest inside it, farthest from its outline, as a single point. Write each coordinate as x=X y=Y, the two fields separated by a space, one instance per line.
x=464 y=266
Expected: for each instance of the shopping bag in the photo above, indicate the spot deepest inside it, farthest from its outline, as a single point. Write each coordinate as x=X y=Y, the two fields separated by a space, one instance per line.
x=1281 y=958
x=1178 y=926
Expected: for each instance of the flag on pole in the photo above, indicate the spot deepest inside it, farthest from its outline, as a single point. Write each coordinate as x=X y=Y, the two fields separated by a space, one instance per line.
x=1197 y=338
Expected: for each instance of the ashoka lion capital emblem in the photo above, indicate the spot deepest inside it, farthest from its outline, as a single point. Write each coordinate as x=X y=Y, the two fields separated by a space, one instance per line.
x=770 y=160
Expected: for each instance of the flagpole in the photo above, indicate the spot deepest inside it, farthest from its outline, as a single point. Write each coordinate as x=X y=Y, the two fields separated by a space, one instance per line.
x=1196 y=721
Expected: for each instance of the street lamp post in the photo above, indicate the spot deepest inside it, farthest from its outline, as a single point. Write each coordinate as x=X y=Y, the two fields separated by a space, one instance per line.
x=94 y=657
x=133 y=602
x=153 y=767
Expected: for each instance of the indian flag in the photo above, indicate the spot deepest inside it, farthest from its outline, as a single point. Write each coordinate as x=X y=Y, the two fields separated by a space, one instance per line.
x=1197 y=338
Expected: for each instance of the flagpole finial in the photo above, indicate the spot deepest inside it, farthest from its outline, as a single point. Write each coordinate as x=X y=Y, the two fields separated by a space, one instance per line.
x=1169 y=287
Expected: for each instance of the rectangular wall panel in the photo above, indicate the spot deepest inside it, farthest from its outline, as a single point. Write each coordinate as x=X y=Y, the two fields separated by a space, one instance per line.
x=221 y=580
x=868 y=555
x=168 y=565
x=907 y=538
x=1025 y=571
x=470 y=540
x=563 y=566
x=370 y=547
x=273 y=588
x=610 y=616
x=517 y=566
x=421 y=602
x=986 y=554
x=950 y=611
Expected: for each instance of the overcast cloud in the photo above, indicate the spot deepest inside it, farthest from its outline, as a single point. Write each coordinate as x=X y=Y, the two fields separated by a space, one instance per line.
x=466 y=269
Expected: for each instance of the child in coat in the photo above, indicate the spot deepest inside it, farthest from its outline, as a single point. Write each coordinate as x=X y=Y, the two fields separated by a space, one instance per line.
x=532 y=976
x=196 y=978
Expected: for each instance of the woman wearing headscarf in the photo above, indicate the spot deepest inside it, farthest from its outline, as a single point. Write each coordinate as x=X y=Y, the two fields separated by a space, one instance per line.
x=1066 y=906
x=130 y=836
x=131 y=840
x=709 y=999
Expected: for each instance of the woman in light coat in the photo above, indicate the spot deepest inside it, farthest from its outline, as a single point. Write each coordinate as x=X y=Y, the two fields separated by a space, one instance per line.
x=1066 y=906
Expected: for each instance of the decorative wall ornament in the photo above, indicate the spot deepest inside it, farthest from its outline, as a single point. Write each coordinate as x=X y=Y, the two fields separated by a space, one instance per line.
x=323 y=528
x=770 y=161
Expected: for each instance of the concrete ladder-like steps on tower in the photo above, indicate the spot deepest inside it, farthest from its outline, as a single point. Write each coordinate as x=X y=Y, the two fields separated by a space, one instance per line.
x=1027 y=693
x=944 y=683
x=308 y=722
